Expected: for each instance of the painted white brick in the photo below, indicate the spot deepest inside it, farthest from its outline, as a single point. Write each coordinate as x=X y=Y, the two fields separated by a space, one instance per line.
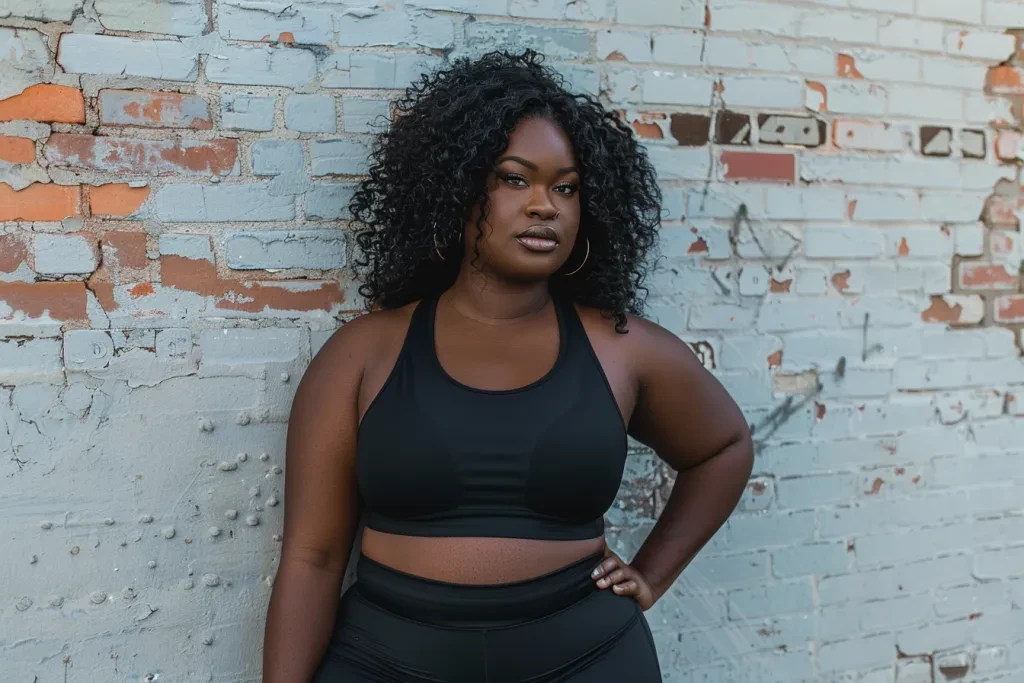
x=740 y=15
x=672 y=87
x=955 y=73
x=760 y=91
x=985 y=110
x=884 y=205
x=805 y=60
x=951 y=10
x=47 y=10
x=685 y=13
x=889 y=6
x=850 y=169
x=912 y=34
x=65 y=254
x=244 y=20
x=398 y=29
x=869 y=135
x=980 y=44
x=584 y=10
x=925 y=173
x=926 y=103
x=800 y=203
x=684 y=48
x=857 y=98
x=679 y=163
x=822 y=242
x=881 y=65
x=153 y=16
x=93 y=54
x=258 y=65
x=1008 y=13
x=634 y=46
x=840 y=26
x=952 y=207
x=495 y=7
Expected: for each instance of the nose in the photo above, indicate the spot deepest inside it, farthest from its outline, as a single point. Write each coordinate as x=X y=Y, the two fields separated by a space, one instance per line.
x=540 y=205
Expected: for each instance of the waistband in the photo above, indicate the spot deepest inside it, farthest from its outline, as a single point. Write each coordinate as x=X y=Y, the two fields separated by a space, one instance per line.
x=470 y=605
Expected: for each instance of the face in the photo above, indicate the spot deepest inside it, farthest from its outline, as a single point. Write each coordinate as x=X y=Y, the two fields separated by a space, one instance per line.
x=534 y=212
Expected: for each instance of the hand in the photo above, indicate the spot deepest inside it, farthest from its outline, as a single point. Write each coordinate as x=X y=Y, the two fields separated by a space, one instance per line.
x=623 y=579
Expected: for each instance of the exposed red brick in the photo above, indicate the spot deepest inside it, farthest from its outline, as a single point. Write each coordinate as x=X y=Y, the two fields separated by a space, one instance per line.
x=851 y=208
x=651 y=131
x=116 y=199
x=131 y=155
x=775 y=360
x=819 y=411
x=1009 y=309
x=1001 y=211
x=846 y=67
x=104 y=292
x=1002 y=243
x=616 y=56
x=286 y=37
x=16 y=150
x=129 y=248
x=941 y=312
x=780 y=286
x=876 y=486
x=691 y=130
x=39 y=202
x=13 y=252
x=200 y=276
x=140 y=290
x=1004 y=80
x=904 y=248
x=841 y=281
x=979 y=275
x=63 y=301
x=759 y=166
x=698 y=246
x=45 y=102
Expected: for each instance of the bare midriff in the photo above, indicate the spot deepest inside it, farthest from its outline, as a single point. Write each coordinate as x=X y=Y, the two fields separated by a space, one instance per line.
x=475 y=560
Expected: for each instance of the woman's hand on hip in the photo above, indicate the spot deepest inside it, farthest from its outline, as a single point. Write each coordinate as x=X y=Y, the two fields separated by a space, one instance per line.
x=623 y=579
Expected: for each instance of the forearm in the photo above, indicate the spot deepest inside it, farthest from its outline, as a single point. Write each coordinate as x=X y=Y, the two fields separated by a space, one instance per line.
x=701 y=501
x=300 y=619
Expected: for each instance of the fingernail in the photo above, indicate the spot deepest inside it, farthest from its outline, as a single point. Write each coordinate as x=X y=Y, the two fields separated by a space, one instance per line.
x=597 y=572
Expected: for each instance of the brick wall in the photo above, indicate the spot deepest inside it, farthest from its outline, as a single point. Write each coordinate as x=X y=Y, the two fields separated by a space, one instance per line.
x=840 y=246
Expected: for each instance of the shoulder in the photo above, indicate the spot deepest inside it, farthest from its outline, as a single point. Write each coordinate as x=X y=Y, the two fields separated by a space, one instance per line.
x=358 y=344
x=643 y=338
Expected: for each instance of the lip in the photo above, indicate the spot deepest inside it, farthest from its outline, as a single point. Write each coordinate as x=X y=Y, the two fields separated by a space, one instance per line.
x=539 y=238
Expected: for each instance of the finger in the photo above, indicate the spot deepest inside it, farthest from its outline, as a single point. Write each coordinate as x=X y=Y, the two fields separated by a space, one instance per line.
x=617 y=576
x=630 y=587
x=606 y=566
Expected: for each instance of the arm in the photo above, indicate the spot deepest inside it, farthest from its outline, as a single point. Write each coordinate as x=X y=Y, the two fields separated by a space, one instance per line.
x=320 y=513
x=685 y=415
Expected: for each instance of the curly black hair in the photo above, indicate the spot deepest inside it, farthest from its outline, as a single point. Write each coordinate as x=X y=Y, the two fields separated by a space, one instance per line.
x=433 y=161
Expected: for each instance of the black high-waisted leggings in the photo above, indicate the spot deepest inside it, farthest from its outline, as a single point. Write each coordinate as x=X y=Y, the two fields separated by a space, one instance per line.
x=393 y=627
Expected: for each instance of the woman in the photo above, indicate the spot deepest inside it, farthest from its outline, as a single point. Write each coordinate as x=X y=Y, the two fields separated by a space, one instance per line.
x=478 y=418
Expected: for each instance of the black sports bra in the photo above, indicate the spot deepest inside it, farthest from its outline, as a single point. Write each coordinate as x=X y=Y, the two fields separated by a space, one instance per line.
x=438 y=458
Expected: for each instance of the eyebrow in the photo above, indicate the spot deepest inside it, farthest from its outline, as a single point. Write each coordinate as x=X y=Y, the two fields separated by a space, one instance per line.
x=531 y=165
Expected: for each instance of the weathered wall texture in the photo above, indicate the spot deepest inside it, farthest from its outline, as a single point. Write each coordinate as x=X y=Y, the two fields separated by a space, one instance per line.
x=840 y=245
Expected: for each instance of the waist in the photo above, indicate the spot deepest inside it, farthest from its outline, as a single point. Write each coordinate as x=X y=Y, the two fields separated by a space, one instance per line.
x=475 y=605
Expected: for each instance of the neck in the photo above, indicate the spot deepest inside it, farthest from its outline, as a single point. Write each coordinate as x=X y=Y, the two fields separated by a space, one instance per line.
x=489 y=299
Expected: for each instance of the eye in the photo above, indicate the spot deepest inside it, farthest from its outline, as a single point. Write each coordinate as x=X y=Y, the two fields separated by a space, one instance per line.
x=568 y=189
x=512 y=177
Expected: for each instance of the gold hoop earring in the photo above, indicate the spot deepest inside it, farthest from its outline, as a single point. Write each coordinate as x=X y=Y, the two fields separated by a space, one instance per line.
x=585 y=257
